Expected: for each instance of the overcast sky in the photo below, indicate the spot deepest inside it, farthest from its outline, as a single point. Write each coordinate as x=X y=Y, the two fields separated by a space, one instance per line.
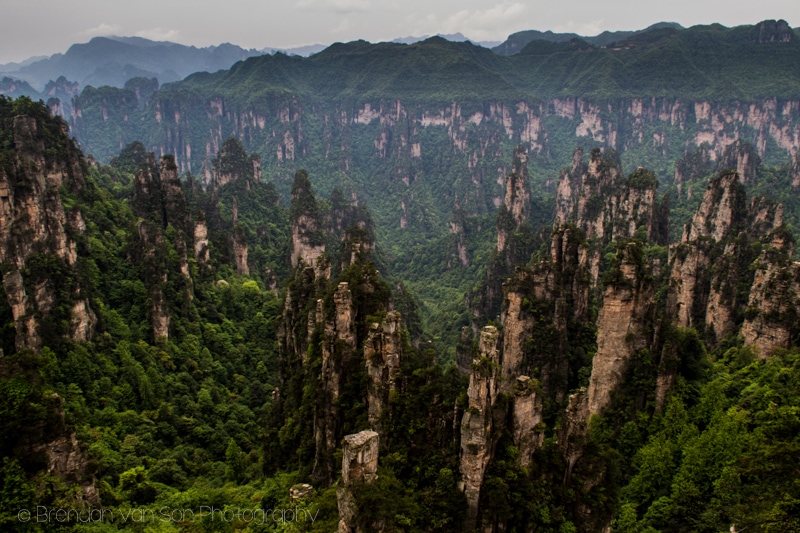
x=44 y=27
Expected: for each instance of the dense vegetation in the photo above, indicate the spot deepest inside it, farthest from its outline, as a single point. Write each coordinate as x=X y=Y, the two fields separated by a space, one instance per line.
x=190 y=421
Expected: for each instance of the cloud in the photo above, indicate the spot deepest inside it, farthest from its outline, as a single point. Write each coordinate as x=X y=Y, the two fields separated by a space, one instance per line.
x=498 y=20
x=343 y=27
x=159 y=34
x=102 y=29
x=338 y=6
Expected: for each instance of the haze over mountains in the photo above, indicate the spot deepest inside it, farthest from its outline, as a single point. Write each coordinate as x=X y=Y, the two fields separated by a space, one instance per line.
x=112 y=61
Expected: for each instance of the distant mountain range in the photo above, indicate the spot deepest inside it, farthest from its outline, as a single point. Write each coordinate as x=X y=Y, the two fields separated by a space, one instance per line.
x=517 y=41
x=113 y=61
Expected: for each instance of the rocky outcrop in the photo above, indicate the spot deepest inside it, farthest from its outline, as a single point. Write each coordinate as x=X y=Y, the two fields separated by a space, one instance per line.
x=458 y=230
x=516 y=206
x=694 y=165
x=515 y=241
x=240 y=251
x=741 y=157
x=233 y=164
x=476 y=425
x=359 y=467
x=338 y=347
x=383 y=351
x=624 y=326
x=772 y=31
x=771 y=317
x=308 y=239
x=202 y=254
x=526 y=410
x=69 y=462
x=544 y=306
x=606 y=205
x=160 y=203
x=714 y=255
x=33 y=231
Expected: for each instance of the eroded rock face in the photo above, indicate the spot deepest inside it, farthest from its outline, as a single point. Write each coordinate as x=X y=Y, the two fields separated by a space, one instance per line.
x=240 y=252
x=543 y=304
x=32 y=227
x=337 y=351
x=476 y=425
x=69 y=462
x=772 y=311
x=714 y=255
x=741 y=157
x=382 y=353
x=232 y=164
x=622 y=329
x=772 y=31
x=160 y=202
x=605 y=205
x=795 y=170
x=517 y=199
x=308 y=241
x=359 y=466
x=527 y=418
x=201 y=251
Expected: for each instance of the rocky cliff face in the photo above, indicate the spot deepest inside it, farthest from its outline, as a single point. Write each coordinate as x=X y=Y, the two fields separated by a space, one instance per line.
x=606 y=205
x=382 y=354
x=308 y=241
x=544 y=306
x=624 y=326
x=771 y=317
x=160 y=202
x=359 y=466
x=794 y=172
x=514 y=239
x=338 y=347
x=34 y=229
x=64 y=458
x=714 y=256
x=325 y=340
x=515 y=210
x=396 y=127
x=476 y=425
x=527 y=420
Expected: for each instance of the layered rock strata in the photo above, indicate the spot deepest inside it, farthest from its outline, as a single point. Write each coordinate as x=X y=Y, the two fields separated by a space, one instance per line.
x=476 y=425
x=33 y=228
x=359 y=467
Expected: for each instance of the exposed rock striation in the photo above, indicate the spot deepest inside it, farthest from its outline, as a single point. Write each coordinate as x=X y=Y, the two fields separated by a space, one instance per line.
x=160 y=203
x=338 y=347
x=714 y=256
x=476 y=425
x=308 y=239
x=383 y=351
x=516 y=206
x=771 y=319
x=359 y=467
x=606 y=205
x=34 y=231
